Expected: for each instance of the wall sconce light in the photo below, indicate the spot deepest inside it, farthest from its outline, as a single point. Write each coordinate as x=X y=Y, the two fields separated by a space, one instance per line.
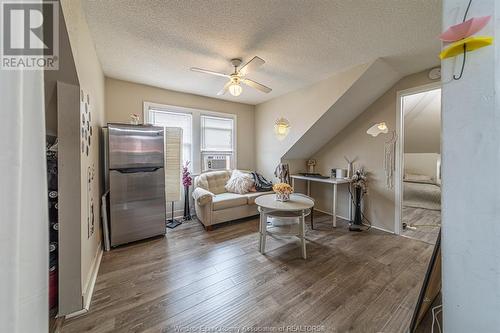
x=378 y=129
x=281 y=128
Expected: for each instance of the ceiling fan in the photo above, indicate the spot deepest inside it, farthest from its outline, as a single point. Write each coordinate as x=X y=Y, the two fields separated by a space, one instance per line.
x=238 y=76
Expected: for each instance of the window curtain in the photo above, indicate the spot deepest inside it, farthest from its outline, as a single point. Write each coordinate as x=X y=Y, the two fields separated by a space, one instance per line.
x=23 y=204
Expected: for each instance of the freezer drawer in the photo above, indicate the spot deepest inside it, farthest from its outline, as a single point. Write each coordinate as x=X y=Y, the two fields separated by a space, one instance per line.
x=137 y=204
x=135 y=146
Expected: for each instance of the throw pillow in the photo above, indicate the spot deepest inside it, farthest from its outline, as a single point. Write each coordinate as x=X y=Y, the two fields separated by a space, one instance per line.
x=240 y=182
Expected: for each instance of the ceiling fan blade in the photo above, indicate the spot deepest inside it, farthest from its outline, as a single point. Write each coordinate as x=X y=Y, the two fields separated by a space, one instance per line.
x=224 y=89
x=257 y=85
x=253 y=64
x=194 y=69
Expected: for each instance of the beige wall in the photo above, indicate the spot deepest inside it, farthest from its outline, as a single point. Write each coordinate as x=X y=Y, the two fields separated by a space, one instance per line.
x=369 y=153
x=124 y=98
x=302 y=108
x=66 y=73
x=91 y=80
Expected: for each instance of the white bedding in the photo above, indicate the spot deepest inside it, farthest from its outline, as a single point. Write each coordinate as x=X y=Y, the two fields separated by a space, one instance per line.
x=421 y=195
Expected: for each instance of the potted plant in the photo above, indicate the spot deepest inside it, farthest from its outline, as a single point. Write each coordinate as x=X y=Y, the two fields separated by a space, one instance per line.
x=283 y=191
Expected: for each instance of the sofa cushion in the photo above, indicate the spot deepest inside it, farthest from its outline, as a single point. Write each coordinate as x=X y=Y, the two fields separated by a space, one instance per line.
x=228 y=200
x=213 y=181
x=239 y=182
x=254 y=195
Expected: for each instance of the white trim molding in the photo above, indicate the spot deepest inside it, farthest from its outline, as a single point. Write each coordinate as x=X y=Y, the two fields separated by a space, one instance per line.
x=398 y=174
x=89 y=291
x=196 y=128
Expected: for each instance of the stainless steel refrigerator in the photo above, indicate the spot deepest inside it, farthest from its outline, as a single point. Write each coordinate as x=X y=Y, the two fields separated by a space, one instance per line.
x=136 y=180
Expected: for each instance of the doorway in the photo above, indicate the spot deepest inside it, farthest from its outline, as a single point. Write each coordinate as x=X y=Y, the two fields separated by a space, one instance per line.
x=418 y=163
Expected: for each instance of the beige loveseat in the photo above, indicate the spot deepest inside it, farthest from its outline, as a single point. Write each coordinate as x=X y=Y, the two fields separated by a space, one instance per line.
x=214 y=204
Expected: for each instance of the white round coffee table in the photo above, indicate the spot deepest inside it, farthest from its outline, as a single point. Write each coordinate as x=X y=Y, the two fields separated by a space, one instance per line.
x=299 y=206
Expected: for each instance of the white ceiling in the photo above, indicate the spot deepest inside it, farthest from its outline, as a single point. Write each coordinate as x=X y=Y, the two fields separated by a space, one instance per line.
x=156 y=42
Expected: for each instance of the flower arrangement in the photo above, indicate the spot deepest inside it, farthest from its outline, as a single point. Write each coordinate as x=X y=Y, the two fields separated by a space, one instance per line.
x=359 y=181
x=283 y=191
x=134 y=119
x=187 y=180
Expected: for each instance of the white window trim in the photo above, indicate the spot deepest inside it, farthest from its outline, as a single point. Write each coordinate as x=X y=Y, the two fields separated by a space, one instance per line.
x=196 y=128
x=202 y=142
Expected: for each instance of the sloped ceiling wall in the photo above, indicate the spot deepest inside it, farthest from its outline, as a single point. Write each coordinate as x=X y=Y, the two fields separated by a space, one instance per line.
x=367 y=153
x=422 y=133
x=318 y=112
x=375 y=81
x=302 y=108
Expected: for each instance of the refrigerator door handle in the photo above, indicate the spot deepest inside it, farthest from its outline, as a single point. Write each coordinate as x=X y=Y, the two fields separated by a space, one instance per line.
x=137 y=170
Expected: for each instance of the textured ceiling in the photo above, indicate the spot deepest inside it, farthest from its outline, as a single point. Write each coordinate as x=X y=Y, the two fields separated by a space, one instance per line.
x=156 y=42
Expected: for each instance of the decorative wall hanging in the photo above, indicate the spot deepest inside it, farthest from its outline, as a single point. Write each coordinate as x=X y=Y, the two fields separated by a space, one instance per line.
x=88 y=159
x=86 y=127
x=389 y=151
x=461 y=39
x=389 y=160
x=90 y=201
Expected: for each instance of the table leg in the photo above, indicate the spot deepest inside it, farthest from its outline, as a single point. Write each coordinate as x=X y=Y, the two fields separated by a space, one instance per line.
x=260 y=229
x=334 y=206
x=263 y=232
x=303 y=235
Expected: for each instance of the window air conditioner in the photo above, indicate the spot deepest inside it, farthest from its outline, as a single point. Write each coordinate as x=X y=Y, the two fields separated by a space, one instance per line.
x=217 y=162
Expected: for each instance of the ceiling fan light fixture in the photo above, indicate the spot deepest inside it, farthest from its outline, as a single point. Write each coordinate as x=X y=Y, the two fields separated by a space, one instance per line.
x=235 y=89
x=233 y=85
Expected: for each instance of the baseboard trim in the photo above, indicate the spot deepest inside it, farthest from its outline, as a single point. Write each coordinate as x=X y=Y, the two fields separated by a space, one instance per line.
x=87 y=294
x=329 y=213
x=76 y=314
x=178 y=214
x=382 y=229
x=344 y=218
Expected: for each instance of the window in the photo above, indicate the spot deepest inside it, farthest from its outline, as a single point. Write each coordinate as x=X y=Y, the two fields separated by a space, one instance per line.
x=176 y=119
x=217 y=147
x=209 y=137
x=217 y=134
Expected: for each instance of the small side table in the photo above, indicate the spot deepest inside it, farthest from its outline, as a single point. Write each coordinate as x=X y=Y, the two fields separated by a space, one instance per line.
x=298 y=207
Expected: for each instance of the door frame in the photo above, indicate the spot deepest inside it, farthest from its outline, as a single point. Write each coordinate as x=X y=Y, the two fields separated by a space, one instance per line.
x=399 y=158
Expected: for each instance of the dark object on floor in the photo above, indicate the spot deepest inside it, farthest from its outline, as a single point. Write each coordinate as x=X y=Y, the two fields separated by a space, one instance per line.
x=430 y=288
x=172 y=223
x=404 y=225
x=314 y=175
x=187 y=211
x=261 y=183
x=358 y=220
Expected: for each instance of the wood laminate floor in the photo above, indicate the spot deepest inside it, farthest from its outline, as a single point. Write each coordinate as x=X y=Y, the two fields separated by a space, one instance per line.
x=194 y=281
x=426 y=222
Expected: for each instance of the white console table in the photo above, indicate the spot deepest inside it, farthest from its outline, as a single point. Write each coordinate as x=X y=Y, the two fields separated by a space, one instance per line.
x=335 y=182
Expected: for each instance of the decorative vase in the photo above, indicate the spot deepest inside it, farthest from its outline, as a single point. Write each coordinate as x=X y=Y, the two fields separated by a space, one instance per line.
x=358 y=218
x=282 y=196
x=187 y=211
